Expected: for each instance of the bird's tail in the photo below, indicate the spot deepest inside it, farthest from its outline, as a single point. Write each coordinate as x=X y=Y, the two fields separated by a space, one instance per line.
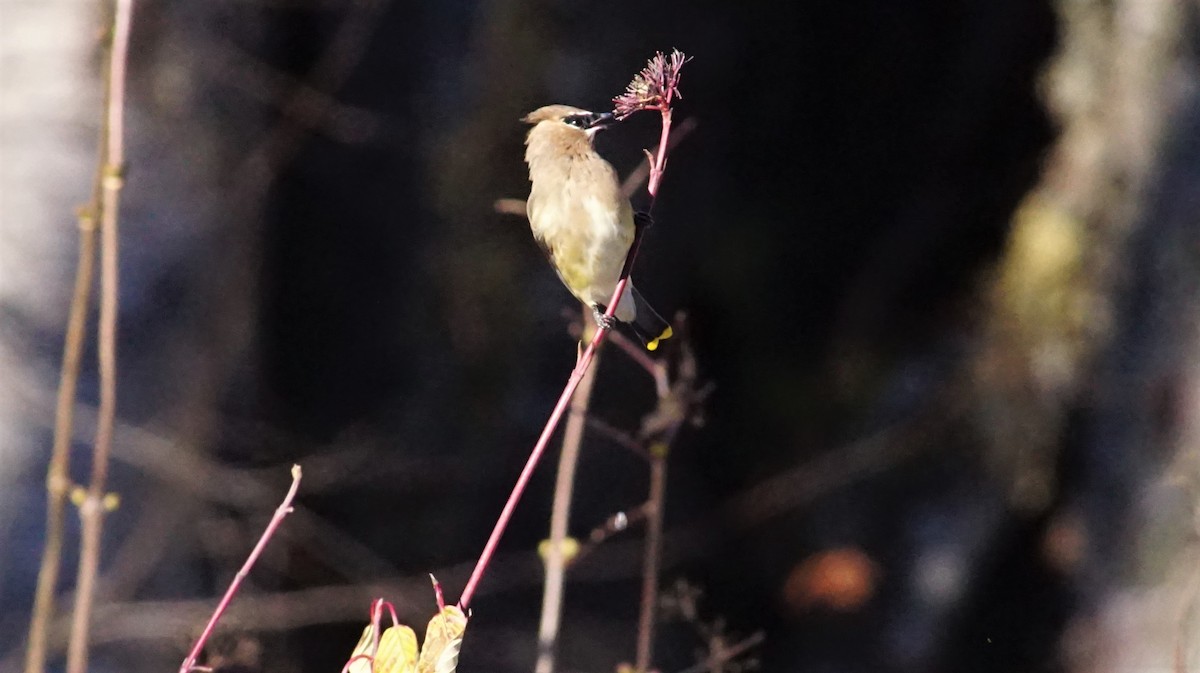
x=647 y=324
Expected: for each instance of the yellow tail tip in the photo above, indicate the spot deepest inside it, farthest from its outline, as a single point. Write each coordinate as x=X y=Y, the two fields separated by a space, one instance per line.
x=653 y=343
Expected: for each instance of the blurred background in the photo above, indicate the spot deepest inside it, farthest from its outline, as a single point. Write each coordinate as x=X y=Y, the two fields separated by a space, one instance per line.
x=939 y=263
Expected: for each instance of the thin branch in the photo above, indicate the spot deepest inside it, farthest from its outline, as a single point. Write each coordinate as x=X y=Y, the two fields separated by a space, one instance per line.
x=659 y=161
x=189 y=472
x=639 y=175
x=560 y=516
x=619 y=437
x=58 y=478
x=726 y=655
x=92 y=509
x=654 y=367
x=282 y=511
x=659 y=430
x=617 y=523
x=651 y=559
x=1190 y=593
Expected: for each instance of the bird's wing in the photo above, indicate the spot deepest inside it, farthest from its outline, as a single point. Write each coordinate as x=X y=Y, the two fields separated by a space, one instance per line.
x=532 y=208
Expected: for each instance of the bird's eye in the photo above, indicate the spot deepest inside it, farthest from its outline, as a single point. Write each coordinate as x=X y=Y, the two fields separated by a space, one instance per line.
x=578 y=121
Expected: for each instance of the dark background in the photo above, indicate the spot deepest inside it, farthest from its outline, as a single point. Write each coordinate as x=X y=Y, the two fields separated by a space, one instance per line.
x=837 y=230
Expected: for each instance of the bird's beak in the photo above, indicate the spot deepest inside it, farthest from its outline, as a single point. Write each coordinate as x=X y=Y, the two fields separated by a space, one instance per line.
x=599 y=120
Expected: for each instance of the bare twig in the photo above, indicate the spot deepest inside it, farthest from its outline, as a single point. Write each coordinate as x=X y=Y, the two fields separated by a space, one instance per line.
x=638 y=176
x=58 y=479
x=560 y=516
x=652 y=557
x=619 y=437
x=654 y=367
x=171 y=461
x=92 y=508
x=727 y=654
x=659 y=431
x=617 y=523
x=282 y=511
x=1185 y=619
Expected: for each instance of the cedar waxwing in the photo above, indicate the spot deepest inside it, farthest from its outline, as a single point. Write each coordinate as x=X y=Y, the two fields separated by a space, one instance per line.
x=580 y=218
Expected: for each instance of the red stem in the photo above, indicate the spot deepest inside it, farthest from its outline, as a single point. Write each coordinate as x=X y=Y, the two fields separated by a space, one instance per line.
x=282 y=511
x=437 y=593
x=660 y=159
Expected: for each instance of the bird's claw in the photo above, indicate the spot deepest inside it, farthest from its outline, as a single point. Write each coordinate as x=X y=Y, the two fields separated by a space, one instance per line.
x=642 y=219
x=603 y=320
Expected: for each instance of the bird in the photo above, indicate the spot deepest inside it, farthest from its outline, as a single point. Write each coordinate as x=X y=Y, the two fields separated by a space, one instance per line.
x=579 y=217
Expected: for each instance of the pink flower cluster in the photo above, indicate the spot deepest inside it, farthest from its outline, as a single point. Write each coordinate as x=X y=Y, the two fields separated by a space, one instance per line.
x=653 y=87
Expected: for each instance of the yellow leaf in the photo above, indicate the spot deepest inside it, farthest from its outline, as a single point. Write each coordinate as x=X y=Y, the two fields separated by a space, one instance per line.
x=397 y=651
x=359 y=659
x=443 y=640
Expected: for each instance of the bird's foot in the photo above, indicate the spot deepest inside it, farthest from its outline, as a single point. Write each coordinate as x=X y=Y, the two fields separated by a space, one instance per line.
x=643 y=220
x=603 y=320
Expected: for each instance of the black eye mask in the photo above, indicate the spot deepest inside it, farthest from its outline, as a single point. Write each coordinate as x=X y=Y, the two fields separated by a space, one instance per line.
x=587 y=120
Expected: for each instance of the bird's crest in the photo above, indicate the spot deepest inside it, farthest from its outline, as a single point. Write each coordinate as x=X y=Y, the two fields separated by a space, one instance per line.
x=551 y=113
